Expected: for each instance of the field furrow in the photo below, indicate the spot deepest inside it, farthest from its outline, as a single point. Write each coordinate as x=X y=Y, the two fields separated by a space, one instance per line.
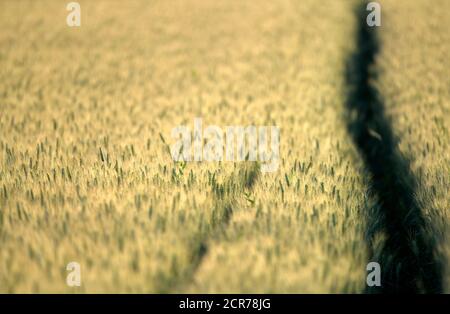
x=414 y=84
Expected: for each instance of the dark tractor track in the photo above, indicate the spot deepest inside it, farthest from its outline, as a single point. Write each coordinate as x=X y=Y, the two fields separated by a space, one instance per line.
x=407 y=256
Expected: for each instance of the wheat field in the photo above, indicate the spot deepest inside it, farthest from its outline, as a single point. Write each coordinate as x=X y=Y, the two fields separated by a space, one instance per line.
x=86 y=172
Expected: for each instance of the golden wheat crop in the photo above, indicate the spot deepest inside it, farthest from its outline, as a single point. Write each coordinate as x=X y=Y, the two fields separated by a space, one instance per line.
x=86 y=114
x=85 y=171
